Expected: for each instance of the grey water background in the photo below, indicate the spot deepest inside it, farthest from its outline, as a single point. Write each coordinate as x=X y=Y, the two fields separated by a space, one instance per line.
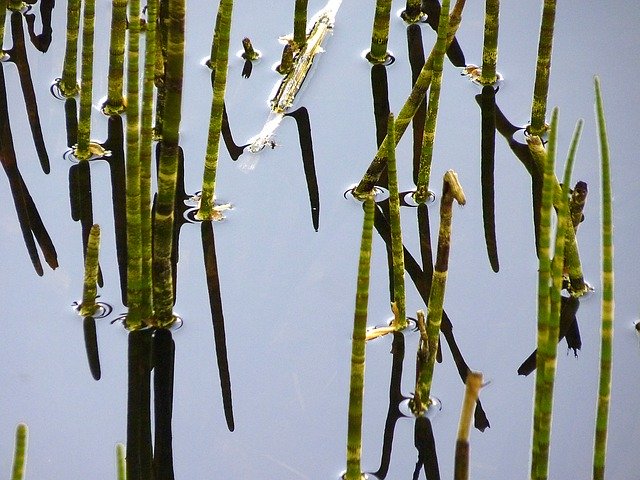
x=288 y=292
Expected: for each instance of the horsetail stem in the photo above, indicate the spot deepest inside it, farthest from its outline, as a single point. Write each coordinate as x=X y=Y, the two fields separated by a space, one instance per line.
x=300 y=23
x=168 y=167
x=219 y=74
x=422 y=194
x=543 y=68
x=490 y=47
x=115 y=100
x=412 y=12
x=286 y=61
x=409 y=108
x=356 y=385
x=121 y=462
x=69 y=81
x=380 y=32
x=88 y=306
x=249 y=52
x=20 y=452
x=607 y=312
x=82 y=151
x=3 y=17
x=473 y=385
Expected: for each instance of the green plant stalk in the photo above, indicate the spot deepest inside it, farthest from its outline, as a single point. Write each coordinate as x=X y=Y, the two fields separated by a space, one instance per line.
x=121 y=462
x=400 y=314
x=473 y=385
x=451 y=190
x=538 y=461
x=300 y=23
x=409 y=108
x=607 y=312
x=207 y=198
x=82 y=151
x=20 y=452
x=69 y=80
x=543 y=68
x=145 y=158
x=15 y=5
x=211 y=63
x=420 y=401
x=572 y=261
x=88 y=306
x=134 y=217
x=161 y=62
x=115 y=101
x=168 y=167
x=3 y=17
x=380 y=32
x=412 y=12
x=490 y=47
x=429 y=135
x=356 y=386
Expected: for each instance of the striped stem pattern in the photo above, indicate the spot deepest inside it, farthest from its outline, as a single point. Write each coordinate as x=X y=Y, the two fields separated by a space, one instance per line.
x=380 y=32
x=20 y=452
x=412 y=12
x=300 y=23
x=490 y=47
x=82 y=151
x=69 y=81
x=471 y=392
x=88 y=306
x=115 y=101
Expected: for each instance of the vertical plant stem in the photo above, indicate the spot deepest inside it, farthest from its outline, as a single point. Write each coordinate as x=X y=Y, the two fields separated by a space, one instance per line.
x=424 y=374
x=134 y=219
x=300 y=23
x=490 y=47
x=86 y=81
x=409 y=108
x=412 y=12
x=115 y=101
x=3 y=17
x=380 y=32
x=69 y=80
x=161 y=62
x=538 y=460
x=426 y=154
x=121 y=462
x=20 y=452
x=356 y=387
x=471 y=392
x=543 y=68
x=88 y=306
x=219 y=75
x=607 y=313
x=168 y=167
x=400 y=315
x=145 y=154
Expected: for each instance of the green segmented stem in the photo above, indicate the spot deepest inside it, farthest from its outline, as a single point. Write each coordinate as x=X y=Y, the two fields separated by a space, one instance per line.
x=121 y=462
x=249 y=52
x=400 y=317
x=86 y=81
x=356 y=386
x=426 y=154
x=3 y=17
x=300 y=22
x=490 y=47
x=20 y=452
x=115 y=101
x=222 y=29
x=409 y=108
x=473 y=385
x=145 y=158
x=168 y=167
x=88 y=306
x=412 y=12
x=134 y=216
x=607 y=312
x=543 y=68
x=161 y=62
x=380 y=32
x=424 y=374
x=69 y=80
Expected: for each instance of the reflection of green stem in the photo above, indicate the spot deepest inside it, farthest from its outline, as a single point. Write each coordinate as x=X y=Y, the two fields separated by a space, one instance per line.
x=451 y=190
x=490 y=48
x=400 y=317
x=20 y=452
x=69 y=81
x=121 y=462
x=146 y=137
x=88 y=306
x=543 y=67
x=429 y=135
x=380 y=33
x=300 y=22
x=168 y=167
x=217 y=104
x=408 y=109
x=115 y=102
x=86 y=81
x=134 y=219
x=356 y=388
x=607 y=313
x=471 y=392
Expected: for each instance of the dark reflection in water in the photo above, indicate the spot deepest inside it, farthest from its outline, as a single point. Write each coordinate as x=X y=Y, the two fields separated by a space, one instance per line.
x=71 y=120
x=432 y=10
x=43 y=40
x=163 y=368
x=380 y=91
x=487 y=161
x=91 y=345
x=416 y=62
x=31 y=225
x=234 y=150
x=425 y=444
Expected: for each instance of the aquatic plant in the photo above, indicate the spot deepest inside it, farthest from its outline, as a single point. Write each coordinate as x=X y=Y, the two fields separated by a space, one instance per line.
x=115 y=101
x=20 y=452
x=121 y=462
x=471 y=392
x=68 y=84
x=88 y=307
x=490 y=45
x=82 y=151
x=607 y=307
x=380 y=33
x=543 y=68
x=300 y=23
